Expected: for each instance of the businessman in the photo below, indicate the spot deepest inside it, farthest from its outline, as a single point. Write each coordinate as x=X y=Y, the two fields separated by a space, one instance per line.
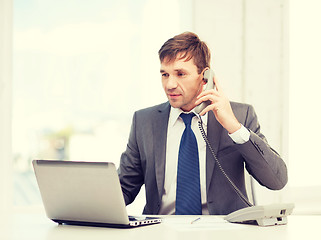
x=167 y=153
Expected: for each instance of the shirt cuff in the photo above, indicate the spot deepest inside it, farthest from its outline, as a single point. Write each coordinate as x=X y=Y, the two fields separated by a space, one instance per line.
x=240 y=136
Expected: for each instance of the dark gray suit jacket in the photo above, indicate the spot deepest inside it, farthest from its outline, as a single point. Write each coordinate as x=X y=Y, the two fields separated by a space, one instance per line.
x=143 y=162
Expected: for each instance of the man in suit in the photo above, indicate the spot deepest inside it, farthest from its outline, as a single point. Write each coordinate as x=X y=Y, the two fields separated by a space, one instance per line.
x=233 y=131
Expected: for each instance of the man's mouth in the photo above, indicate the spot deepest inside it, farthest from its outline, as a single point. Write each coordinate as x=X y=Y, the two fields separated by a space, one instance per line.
x=174 y=95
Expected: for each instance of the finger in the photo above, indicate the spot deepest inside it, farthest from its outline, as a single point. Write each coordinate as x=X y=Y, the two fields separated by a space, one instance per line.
x=207 y=109
x=213 y=92
x=202 y=99
x=208 y=97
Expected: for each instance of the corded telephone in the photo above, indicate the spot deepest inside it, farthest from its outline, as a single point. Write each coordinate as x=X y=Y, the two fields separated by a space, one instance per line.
x=269 y=215
x=208 y=78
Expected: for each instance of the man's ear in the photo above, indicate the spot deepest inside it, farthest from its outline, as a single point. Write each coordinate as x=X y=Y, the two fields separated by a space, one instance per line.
x=202 y=73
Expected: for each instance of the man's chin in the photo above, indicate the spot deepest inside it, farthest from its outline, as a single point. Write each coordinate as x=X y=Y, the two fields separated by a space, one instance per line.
x=175 y=105
x=181 y=106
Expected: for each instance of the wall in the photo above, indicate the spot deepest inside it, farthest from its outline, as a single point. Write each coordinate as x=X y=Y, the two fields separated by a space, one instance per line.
x=304 y=114
x=249 y=42
x=5 y=103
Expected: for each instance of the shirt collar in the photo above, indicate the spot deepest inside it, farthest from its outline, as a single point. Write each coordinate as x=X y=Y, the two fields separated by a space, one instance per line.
x=175 y=112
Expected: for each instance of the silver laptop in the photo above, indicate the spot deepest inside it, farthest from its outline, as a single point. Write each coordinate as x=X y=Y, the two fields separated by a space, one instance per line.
x=84 y=193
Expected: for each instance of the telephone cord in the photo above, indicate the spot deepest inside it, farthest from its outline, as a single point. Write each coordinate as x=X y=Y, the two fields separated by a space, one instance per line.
x=235 y=188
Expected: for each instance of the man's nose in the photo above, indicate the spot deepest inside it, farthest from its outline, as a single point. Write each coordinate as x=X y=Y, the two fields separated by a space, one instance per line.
x=171 y=83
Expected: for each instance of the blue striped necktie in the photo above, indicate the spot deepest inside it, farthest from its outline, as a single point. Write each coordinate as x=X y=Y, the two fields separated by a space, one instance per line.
x=188 y=192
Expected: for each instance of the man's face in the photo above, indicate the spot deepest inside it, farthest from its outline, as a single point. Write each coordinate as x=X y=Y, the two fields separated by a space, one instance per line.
x=181 y=83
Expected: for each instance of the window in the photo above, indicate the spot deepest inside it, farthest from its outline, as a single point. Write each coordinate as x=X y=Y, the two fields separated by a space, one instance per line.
x=80 y=71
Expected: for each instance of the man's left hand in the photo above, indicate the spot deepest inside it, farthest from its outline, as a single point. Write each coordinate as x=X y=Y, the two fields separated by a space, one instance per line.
x=221 y=107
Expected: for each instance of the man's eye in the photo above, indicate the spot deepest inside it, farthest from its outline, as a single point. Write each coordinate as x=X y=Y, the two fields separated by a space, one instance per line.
x=164 y=74
x=180 y=74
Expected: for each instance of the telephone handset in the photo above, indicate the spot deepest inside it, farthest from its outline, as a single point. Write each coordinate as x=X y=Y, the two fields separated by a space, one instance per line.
x=208 y=78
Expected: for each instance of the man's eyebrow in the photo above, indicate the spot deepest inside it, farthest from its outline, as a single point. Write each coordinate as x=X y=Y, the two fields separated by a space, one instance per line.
x=175 y=70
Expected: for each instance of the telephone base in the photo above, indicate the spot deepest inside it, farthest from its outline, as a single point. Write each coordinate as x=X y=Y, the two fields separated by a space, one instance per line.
x=268 y=215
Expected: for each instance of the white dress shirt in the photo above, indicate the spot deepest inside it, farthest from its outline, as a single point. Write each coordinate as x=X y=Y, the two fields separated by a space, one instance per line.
x=175 y=130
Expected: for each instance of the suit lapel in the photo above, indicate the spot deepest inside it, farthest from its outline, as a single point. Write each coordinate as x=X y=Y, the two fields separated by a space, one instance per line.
x=160 y=125
x=214 y=131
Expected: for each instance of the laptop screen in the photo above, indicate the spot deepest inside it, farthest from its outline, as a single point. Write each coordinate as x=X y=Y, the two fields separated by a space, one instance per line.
x=81 y=191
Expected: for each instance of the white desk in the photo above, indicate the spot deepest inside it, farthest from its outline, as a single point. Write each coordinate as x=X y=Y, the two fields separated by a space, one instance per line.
x=35 y=226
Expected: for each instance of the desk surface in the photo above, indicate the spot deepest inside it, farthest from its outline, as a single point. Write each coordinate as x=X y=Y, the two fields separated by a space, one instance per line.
x=22 y=226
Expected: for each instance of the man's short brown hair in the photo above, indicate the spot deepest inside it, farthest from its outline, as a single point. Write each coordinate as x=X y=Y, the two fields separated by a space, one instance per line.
x=186 y=45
